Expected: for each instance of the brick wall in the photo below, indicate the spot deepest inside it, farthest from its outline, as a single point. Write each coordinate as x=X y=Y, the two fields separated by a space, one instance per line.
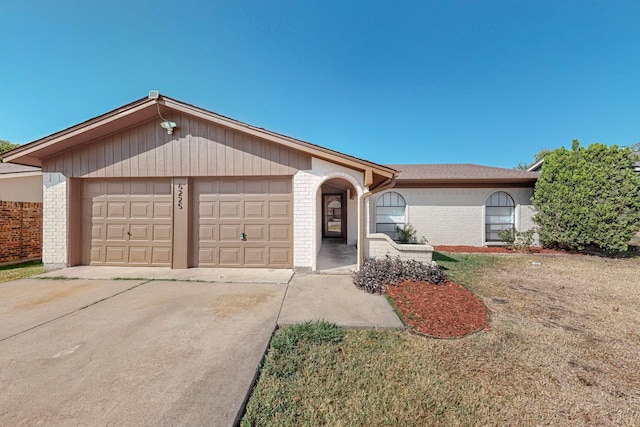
x=378 y=245
x=456 y=216
x=20 y=231
x=307 y=235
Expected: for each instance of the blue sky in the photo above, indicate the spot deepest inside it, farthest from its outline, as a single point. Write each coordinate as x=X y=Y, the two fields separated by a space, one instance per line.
x=471 y=81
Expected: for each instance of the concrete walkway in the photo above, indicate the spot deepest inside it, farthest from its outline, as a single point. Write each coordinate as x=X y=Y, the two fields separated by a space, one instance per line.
x=334 y=298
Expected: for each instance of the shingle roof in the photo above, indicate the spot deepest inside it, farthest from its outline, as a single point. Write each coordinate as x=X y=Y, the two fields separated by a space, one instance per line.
x=461 y=172
x=15 y=168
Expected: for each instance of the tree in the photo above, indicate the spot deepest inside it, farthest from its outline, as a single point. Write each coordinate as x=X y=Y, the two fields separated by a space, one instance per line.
x=538 y=156
x=7 y=146
x=587 y=198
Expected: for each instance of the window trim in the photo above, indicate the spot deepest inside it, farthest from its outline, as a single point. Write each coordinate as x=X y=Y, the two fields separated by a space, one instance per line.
x=386 y=200
x=487 y=224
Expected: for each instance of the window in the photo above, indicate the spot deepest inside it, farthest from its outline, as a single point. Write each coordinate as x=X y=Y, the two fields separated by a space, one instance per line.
x=500 y=215
x=390 y=209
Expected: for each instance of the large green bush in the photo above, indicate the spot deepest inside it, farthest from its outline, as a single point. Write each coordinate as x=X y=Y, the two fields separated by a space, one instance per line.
x=588 y=197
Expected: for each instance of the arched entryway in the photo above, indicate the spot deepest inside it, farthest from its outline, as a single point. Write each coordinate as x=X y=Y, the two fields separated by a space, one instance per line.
x=337 y=228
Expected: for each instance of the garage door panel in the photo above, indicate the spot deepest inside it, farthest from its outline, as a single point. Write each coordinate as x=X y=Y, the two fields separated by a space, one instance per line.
x=97 y=254
x=255 y=257
x=280 y=232
x=207 y=257
x=230 y=256
x=255 y=210
x=139 y=232
x=208 y=232
x=138 y=188
x=230 y=209
x=162 y=232
x=232 y=187
x=93 y=188
x=162 y=188
x=139 y=254
x=98 y=231
x=116 y=188
x=162 y=210
x=255 y=232
x=229 y=232
x=280 y=256
x=116 y=209
x=115 y=232
x=97 y=210
x=160 y=255
x=256 y=186
x=115 y=254
x=280 y=209
x=225 y=208
x=140 y=210
x=207 y=210
x=280 y=186
x=127 y=222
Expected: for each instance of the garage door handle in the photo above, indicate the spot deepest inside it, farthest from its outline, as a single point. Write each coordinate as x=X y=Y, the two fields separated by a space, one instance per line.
x=129 y=233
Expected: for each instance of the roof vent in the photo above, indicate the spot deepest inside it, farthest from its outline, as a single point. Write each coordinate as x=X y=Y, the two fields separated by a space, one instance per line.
x=154 y=94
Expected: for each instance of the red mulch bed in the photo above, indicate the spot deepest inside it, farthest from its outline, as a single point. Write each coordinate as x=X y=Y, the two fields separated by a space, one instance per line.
x=448 y=310
x=490 y=249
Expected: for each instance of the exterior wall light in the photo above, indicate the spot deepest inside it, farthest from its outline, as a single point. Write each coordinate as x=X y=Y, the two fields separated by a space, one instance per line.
x=168 y=126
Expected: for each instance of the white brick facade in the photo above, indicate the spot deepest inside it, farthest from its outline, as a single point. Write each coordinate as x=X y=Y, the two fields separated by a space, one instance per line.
x=456 y=216
x=54 y=220
x=307 y=234
x=378 y=245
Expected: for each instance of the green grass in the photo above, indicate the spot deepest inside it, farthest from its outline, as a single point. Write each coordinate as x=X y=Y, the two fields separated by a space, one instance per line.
x=464 y=268
x=20 y=271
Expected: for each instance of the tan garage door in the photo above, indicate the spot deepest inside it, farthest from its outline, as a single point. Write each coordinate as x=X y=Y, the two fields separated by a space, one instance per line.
x=127 y=222
x=260 y=210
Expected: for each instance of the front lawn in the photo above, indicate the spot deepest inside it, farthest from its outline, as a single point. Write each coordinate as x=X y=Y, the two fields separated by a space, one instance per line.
x=563 y=349
x=20 y=271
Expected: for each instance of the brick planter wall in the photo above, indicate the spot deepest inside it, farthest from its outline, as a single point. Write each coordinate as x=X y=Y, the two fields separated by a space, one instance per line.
x=20 y=231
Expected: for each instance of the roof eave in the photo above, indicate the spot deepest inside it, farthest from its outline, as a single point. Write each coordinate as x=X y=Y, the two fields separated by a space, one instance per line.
x=27 y=153
x=465 y=182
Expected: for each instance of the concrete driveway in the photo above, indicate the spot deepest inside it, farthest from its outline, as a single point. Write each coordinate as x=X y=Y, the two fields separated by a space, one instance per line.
x=131 y=352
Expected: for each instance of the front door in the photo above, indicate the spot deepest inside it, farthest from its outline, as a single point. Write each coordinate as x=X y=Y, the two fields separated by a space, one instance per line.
x=333 y=224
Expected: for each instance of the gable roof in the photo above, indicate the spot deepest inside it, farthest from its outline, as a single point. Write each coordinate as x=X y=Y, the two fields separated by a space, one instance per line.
x=451 y=174
x=146 y=108
x=11 y=168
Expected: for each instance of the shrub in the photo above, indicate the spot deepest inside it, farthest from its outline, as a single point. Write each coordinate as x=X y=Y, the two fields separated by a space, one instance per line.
x=377 y=273
x=587 y=198
x=518 y=240
x=405 y=234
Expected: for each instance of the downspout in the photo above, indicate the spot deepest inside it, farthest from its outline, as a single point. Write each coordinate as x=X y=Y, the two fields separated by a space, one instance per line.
x=390 y=183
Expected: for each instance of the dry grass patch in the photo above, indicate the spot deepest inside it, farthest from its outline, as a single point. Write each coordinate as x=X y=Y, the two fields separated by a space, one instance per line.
x=575 y=321
x=564 y=349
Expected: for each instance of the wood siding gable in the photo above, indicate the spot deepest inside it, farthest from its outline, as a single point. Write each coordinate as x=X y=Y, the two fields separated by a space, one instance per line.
x=197 y=148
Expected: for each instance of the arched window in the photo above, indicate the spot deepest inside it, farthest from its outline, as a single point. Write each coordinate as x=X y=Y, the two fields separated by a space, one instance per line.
x=390 y=211
x=500 y=215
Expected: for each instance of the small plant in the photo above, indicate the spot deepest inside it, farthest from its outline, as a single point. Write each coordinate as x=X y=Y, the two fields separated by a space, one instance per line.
x=407 y=234
x=520 y=241
x=377 y=273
